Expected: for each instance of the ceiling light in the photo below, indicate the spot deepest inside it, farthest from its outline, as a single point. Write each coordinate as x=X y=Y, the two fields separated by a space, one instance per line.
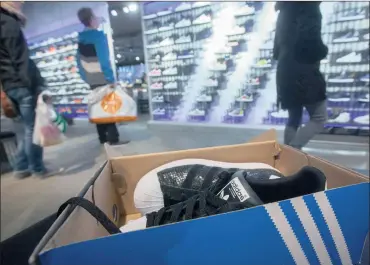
x=126 y=10
x=137 y=58
x=132 y=7
x=114 y=13
x=119 y=56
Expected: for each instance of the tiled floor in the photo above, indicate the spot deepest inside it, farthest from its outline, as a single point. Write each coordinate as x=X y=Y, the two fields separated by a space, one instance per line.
x=24 y=202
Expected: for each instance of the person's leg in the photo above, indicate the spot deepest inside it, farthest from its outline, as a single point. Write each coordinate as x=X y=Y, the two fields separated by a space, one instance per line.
x=318 y=116
x=113 y=134
x=102 y=133
x=30 y=156
x=294 y=121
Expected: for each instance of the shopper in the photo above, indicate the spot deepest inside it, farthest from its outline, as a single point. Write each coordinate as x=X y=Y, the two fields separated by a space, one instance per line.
x=298 y=49
x=95 y=66
x=21 y=81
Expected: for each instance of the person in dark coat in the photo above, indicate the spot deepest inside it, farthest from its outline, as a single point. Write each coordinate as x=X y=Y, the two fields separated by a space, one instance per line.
x=298 y=49
x=21 y=81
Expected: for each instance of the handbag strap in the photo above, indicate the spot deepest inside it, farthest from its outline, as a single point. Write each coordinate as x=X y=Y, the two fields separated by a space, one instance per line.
x=98 y=214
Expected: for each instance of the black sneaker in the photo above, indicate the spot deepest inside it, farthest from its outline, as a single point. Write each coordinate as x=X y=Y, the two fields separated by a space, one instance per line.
x=179 y=180
x=235 y=192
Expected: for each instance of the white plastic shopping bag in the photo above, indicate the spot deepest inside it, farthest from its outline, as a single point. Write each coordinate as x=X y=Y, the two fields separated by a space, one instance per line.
x=46 y=133
x=109 y=104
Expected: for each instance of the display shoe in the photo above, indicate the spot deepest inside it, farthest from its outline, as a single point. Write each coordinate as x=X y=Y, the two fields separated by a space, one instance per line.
x=159 y=111
x=211 y=83
x=170 y=71
x=166 y=42
x=186 y=54
x=183 y=6
x=350 y=36
x=171 y=85
x=204 y=98
x=154 y=190
x=352 y=57
x=366 y=36
x=344 y=77
x=362 y=120
x=200 y=4
x=183 y=39
x=365 y=78
x=156 y=86
x=342 y=117
x=155 y=72
x=236 y=113
x=233 y=190
x=170 y=56
x=158 y=99
x=245 y=98
x=183 y=23
x=352 y=15
x=339 y=97
x=280 y=114
x=202 y=19
x=245 y=11
x=364 y=99
x=263 y=63
x=197 y=112
x=236 y=31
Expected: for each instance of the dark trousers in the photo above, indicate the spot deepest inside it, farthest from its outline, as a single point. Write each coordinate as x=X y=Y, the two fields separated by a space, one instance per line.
x=108 y=132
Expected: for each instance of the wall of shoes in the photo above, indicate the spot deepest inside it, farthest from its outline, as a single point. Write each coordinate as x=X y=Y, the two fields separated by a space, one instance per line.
x=54 y=54
x=176 y=37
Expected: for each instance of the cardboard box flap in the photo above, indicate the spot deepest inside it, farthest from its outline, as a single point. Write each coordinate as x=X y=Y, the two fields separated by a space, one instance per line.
x=315 y=229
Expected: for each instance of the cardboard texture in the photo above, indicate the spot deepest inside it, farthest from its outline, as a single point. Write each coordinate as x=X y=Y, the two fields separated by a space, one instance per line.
x=218 y=236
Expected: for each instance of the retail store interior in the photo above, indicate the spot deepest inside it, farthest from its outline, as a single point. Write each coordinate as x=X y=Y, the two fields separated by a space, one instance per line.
x=202 y=75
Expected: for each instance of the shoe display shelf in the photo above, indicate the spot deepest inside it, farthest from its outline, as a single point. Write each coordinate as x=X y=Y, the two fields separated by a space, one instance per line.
x=174 y=35
x=55 y=58
x=347 y=67
x=224 y=68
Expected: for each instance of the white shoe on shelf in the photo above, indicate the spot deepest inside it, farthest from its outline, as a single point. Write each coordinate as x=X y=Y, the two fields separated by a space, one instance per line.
x=167 y=41
x=155 y=72
x=204 y=98
x=352 y=57
x=343 y=117
x=280 y=114
x=365 y=99
x=236 y=113
x=170 y=85
x=183 y=23
x=183 y=6
x=159 y=111
x=211 y=83
x=362 y=120
x=170 y=71
x=236 y=31
x=158 y=99
x=202 y=19
x=183 y=39
x=245 y=11
x=245 y=98
x=170 y=57
x=197 y=112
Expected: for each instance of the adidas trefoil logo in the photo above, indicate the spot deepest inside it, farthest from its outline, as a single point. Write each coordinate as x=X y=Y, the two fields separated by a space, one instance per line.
x=223 y=196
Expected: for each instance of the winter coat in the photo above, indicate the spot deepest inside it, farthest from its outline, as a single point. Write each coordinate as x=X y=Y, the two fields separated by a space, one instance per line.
x=298 y=49
x=16 y=68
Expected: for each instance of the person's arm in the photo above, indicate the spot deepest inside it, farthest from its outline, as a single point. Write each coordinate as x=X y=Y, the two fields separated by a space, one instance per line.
x=15 y=46
x=81 y=70
x=309 y=46
x=102 y=50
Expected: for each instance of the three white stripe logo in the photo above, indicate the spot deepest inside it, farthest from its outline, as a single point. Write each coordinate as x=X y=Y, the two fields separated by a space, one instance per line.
x=290 y=239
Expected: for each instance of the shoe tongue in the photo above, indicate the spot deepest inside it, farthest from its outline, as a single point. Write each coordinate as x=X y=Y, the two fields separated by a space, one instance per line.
x=239 y=191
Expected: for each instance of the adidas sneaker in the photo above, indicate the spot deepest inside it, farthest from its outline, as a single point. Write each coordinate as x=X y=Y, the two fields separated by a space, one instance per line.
x=158 y=99
x=183 y=39
x=204 y=98
x=202 y=19
x=159 y=111
x=170 y=85
x=233 y=189
x=170 y=71
x=362 y=120
x=343 y=117
x=352 y=57
x=154 y=190
x=167 y=41
x=236 y=113
x=197 y=112
x=183 y=23
x=169 y=56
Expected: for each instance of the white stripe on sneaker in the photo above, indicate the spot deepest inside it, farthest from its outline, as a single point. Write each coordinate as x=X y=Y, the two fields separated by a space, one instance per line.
x=286 y=232
x=311 y=229
x=334 y=227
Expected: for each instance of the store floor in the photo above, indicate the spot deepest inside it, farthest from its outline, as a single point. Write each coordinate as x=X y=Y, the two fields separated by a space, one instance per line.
x=24 y=202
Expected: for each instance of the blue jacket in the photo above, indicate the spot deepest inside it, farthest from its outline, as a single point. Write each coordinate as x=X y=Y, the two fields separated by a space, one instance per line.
x=93 y=58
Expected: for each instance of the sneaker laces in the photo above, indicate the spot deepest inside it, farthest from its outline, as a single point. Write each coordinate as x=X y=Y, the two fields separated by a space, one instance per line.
x=200 y=205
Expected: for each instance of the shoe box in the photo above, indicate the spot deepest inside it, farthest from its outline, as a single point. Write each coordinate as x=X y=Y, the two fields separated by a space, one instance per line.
x=333 y=224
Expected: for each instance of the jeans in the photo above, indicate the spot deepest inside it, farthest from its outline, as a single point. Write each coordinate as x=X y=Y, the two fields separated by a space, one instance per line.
x=29 y=156
x=297 y=136
x=108 y=133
